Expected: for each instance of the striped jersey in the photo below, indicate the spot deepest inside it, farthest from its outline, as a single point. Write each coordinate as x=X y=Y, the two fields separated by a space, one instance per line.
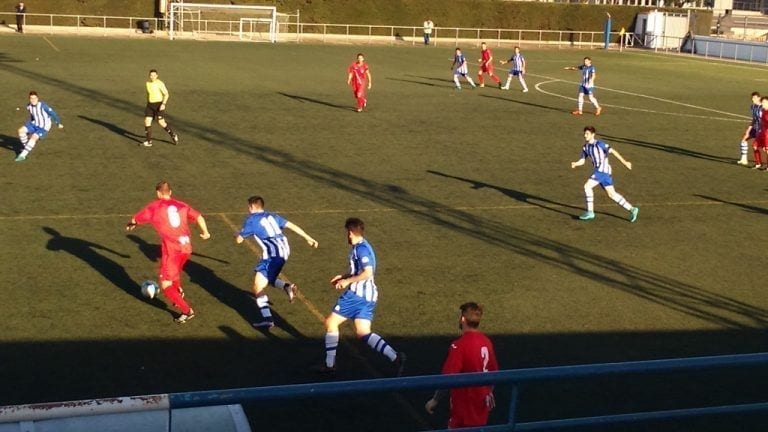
x=461 y=64
x=266 y=230
x=597 y=152
x=587 y=73
x=361 y=256
x=518 y=61
x=756 y=110
x=42 y=115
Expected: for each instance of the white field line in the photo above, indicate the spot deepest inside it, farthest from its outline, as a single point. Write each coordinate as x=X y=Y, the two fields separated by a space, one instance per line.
x=387 y=210
x=733 y=117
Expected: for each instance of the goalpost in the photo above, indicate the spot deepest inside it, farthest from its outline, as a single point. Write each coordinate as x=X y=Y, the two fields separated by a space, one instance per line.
x=203 y=20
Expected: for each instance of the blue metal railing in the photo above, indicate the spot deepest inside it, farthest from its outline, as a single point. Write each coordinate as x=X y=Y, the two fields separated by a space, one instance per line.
x=513 y=377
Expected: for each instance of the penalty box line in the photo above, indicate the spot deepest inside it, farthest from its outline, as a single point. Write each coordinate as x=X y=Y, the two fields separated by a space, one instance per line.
x=320 y=317
x=388 y=210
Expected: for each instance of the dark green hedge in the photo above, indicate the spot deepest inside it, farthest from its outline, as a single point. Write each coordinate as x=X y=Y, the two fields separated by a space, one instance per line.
x=445 y=13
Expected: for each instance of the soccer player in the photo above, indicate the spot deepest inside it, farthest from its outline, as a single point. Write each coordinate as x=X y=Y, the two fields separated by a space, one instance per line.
x=486 y=66
x=587 y=87
x=357 y=75
x=751 y=133
x=428 y=27
x=157 y=98
x=266 y=228
x=598 y=152
x=472 y=352
x=761 y=141
x=518 y=69
x=358 y=302
x=21 y=10
x=41 y=118
x=170 y=219
x=459 y=67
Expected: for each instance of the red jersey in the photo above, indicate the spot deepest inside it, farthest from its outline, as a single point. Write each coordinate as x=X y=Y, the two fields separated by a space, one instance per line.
x=486 y=55
x=472 y=352
x=359 y=72
x=170 y=218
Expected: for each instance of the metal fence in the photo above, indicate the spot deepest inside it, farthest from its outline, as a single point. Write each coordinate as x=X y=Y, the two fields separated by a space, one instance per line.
x=513 y=378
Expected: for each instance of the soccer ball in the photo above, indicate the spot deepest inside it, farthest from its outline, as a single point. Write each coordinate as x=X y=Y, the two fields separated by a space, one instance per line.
x=149 y=289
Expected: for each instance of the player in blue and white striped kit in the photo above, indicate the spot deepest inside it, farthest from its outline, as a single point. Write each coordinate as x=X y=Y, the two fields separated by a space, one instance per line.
x=598 y=151
x=755 y=110
x=266 y=229
x=518 y=69
x=41 y=118
x=358 y=302
x=587 y=87
x=459 y=67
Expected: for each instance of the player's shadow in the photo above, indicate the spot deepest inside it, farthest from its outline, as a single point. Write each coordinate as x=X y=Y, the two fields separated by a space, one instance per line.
x=238 y=300
x=680 y=151
x=115 y=128
x=442 y=80
x=304 y=99
x=418 y=82
x=747 y=207
x=10 y=143
x=89 y=253
x=541 y=202
x=531 y=104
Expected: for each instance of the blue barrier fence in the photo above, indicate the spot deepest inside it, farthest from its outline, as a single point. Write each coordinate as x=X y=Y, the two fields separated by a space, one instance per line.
x=731 y=49
x=513 y=377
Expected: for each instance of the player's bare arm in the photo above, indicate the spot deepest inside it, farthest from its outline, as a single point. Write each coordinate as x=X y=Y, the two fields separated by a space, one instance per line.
x=578 y=163
x=205 y=235
x=343 y=282
x=349 y=78
x=436 y=398
x=368 y=75
x=623 y=161
x=295 y=228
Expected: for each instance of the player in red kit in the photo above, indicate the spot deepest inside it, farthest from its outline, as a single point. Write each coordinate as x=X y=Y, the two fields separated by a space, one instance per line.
x=761 y=142
x=170 y=219
x=357 y=75
x=472 y=352
x=486 y=66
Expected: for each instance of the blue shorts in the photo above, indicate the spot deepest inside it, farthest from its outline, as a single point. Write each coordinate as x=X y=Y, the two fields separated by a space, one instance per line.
x=37 y=130
x=270 y=268
x=586 y=90
x=352 y=306
x=753 y=133
x=515 y=72
x=602 y=178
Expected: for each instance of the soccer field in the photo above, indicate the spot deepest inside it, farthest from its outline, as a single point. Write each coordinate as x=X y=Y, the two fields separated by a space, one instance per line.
x=466 y=196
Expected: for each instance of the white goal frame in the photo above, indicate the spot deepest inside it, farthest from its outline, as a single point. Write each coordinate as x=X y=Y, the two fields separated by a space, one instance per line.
x=178 y=9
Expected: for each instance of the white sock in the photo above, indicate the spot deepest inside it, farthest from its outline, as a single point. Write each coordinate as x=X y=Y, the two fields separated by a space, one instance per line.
x=622 y=202
x=262 y=302
x=509 y=80
x=472 y=83
x=581 y=101
x=456 y=80
x=380 y=345
x=522 y=83
x=743 y=147
x=590 y=199
x=331 y=345
x=280 y=284
x=594 y=101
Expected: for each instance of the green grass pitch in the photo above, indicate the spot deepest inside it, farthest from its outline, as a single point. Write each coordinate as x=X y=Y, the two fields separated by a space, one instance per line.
x=466 y=195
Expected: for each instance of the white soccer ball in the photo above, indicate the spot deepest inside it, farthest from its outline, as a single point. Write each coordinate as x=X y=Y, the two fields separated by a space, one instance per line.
x=149 y=289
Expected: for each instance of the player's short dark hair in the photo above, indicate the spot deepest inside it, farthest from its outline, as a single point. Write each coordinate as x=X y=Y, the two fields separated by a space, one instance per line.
x=458 y=49
x=589 y=128
x=153 y=70
x=764 y=98
x=256 y=200
x=588 y=58
x=472 y=313
x=360 y=54
x=33 y=93
x=755 y=94
x=163 y=187
x=355 y=226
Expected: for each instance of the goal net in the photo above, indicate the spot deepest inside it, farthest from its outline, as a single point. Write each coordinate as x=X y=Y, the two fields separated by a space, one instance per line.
x=222 y=21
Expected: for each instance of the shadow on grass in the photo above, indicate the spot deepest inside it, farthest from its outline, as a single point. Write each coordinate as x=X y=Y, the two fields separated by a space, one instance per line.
x=417 y=82
x=680 y=151
x=304 y=99
x=747 y=207
x=10 y=143
x=638 y=280
x=531 y=104
x=116 y=129
x=89 y=253
x=233 y=297
x=517 y=195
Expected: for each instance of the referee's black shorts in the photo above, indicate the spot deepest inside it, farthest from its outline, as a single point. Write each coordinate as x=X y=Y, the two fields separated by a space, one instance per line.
x=153 y=110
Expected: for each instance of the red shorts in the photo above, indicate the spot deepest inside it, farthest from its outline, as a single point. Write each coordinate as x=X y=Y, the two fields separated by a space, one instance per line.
x=488 y=68
x=171 y=265
x=761 y=141
x=359 y=91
